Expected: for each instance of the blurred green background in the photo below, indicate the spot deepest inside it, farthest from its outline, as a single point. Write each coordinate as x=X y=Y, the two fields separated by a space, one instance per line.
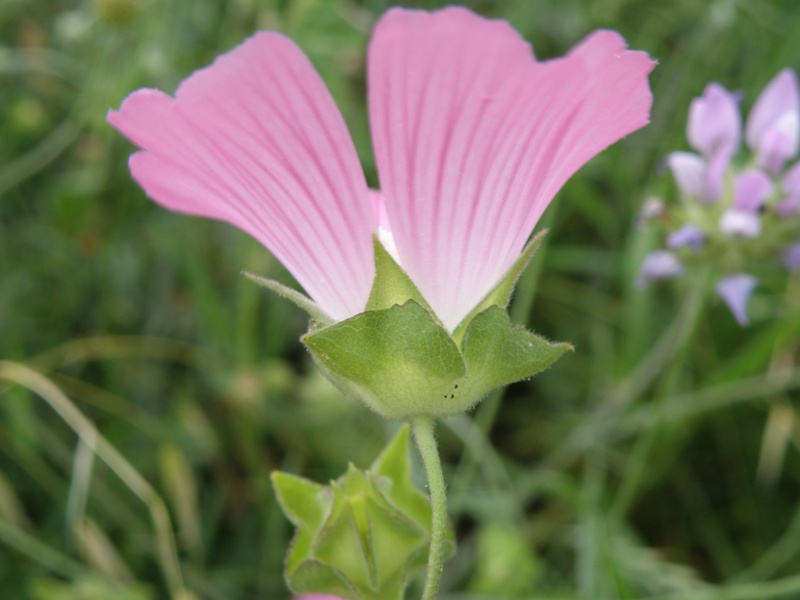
x=659 y=460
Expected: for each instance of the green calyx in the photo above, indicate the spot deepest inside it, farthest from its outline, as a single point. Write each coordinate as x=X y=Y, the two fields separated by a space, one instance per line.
x=400 y=360
x=365 y=535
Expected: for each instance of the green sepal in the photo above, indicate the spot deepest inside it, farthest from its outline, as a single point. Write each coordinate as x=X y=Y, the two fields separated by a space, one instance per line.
x=498 y=353
x=501 y=294
x=399 y=360
x=306 y=504
x=402 y=363
x=365 y=535
x=313 y=576
x=318 y=316
x=392 y=285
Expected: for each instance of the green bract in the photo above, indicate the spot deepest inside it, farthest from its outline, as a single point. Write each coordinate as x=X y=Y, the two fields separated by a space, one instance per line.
x=399 y=359
x=365 y=535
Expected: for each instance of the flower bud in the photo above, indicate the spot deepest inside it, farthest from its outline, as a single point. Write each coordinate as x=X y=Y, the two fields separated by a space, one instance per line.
x=363 y=536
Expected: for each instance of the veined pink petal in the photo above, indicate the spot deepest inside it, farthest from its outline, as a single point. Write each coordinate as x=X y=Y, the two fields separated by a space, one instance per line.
x=473 y=137
x=379 y=210
x=256 y=140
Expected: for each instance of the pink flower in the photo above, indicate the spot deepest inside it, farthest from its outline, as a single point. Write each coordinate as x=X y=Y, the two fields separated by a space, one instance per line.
x=473 y=137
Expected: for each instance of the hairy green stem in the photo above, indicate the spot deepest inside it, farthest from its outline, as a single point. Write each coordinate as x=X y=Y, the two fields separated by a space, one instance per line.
x=423 y=427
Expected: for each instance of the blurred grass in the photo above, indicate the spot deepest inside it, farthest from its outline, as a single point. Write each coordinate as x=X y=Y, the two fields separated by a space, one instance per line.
x=660 y=460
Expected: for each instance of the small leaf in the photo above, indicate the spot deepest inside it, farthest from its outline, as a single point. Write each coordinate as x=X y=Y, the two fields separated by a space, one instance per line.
x=302 y=500
x=393 y=477
x=399 y=361
x=393 y=461
x=497 y=353
x=300 y=300
x=374 y=535
x=342 y=545
x=306 y=504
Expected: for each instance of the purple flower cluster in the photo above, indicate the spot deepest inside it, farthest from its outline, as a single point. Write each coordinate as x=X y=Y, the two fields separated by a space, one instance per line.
x=735 y=211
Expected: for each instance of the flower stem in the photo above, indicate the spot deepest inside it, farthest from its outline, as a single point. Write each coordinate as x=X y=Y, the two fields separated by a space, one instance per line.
x=423 y=427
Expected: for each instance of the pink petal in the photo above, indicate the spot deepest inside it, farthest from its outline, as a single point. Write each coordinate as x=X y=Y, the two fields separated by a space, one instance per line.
x=379 y=210
x=473 y=138
x=714 y=122
x=256 y=140
x=779 y=97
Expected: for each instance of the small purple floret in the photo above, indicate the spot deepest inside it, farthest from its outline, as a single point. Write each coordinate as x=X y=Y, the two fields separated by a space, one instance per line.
x=791 y=257
x=735 y=291
x=740 y=222
x=660 y=264
x=688 y=235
